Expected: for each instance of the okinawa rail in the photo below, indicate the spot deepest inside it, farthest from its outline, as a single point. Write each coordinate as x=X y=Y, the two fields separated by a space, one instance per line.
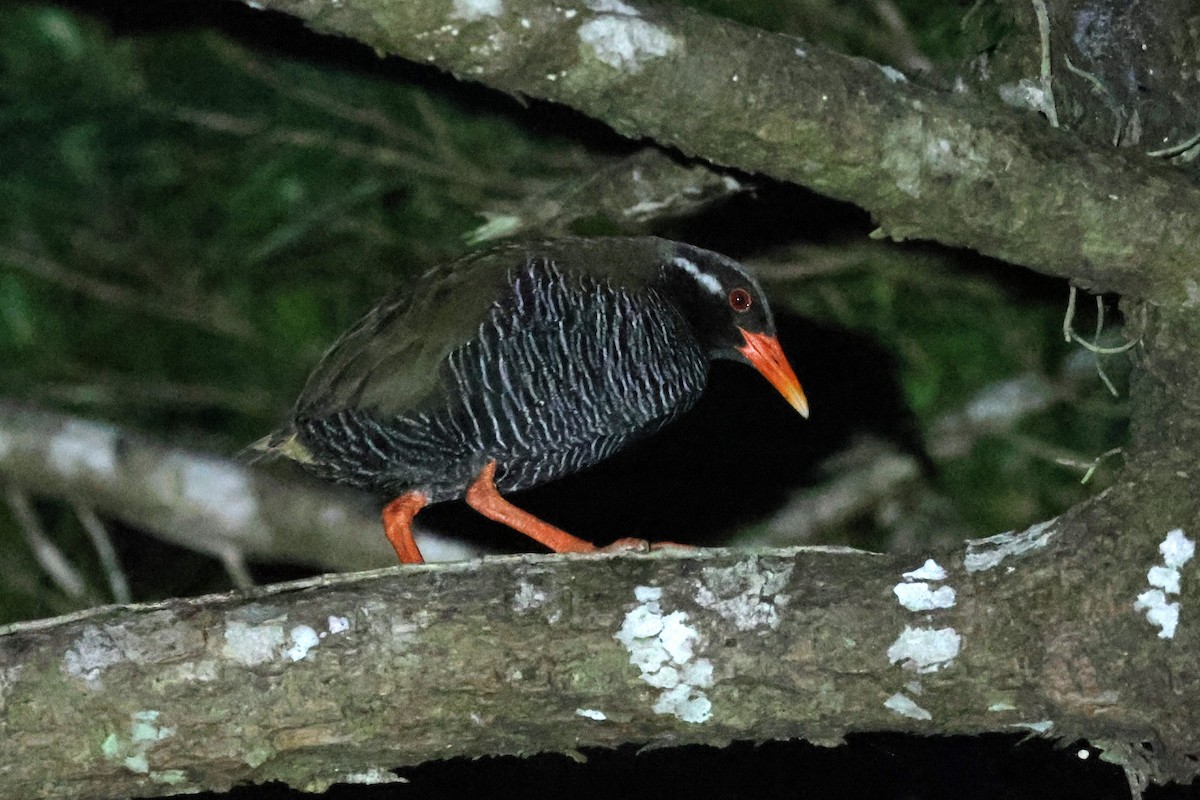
x=520 y=364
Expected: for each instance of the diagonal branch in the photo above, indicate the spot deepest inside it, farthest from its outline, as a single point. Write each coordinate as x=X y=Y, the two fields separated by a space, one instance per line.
x=196 y=500
x=959 y=169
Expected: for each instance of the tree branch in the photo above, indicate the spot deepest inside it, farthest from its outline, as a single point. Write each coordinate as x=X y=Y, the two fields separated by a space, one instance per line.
x=344 y=678
x=199 y=501
x=961 y=170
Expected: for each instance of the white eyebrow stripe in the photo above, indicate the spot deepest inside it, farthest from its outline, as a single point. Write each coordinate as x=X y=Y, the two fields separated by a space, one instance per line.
x=703 y=278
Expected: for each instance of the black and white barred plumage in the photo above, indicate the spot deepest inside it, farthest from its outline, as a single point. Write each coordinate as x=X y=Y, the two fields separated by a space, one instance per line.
x=545 y=358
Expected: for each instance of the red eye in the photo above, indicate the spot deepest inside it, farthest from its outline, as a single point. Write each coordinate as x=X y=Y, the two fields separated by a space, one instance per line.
x=739 y=300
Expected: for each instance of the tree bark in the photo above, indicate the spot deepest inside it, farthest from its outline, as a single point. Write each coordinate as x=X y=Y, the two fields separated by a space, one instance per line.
x=343 y=678
x=961 y=169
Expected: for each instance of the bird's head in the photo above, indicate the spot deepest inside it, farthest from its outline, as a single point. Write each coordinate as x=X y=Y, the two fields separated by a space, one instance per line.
x=729 y=315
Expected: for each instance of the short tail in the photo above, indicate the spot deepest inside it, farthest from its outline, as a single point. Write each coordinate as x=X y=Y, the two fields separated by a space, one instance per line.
x=283 y=443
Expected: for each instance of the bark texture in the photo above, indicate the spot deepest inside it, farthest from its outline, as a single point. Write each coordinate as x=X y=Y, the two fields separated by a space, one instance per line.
x=342 y=679
x=959 y=168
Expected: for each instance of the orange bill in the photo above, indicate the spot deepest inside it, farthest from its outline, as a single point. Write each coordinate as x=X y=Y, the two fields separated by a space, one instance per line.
x=767 y=357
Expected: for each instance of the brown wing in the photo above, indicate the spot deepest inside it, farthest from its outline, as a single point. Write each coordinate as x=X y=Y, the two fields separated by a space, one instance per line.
x=390 y=362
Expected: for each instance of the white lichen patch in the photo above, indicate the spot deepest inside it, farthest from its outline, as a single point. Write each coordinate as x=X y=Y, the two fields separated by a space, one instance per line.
x=662 y=647
x=919 y=597
x=985 y=554
x=370 y=777
x=929 y=571
x=92 y=653
x=1027 y=94
x=749 y=594
x=8 y=679
x=925 y=649
x=130 y=748
x=1160 y=612
x=624 y=42
x=527 y=597
x=611 y=7
x=203 y=670
x=136 y=641
x=1176 y=549
x=591 y=713
x=250 y=645
x=1042 y=726
x=472 y=10
x=1193 y=293
x=82 y=448
x=145 y=728
x=906 y=707
x=303 y=638
x=915 y=592
x=215 y=489
x=1165 y=578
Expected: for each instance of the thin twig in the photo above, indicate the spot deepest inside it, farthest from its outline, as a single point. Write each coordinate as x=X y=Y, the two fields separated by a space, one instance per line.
x=47 y=553
x=1096 y=349
x=268 y=74
x=118 y=584
x=132 y=391
x=124 y=297
x=1071 y=335
x=1176 y=149
x=1069 y=317
x=296 y=137
x=1099 y=88
x=1089 y=466
x=441 y=139
x=1043 y=18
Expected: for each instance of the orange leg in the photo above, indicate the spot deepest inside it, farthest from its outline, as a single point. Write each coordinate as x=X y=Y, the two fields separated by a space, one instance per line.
x=397 y=525
x=484 y=498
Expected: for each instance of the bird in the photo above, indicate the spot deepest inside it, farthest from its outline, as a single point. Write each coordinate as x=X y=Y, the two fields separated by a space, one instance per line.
x=519 y=364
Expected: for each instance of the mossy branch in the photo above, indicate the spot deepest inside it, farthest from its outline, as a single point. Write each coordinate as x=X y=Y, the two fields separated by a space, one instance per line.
x=957 y=168
x=345 y=678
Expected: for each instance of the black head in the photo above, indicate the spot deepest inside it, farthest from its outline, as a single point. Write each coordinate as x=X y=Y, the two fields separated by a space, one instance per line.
x=718 y=298
x=729 y=314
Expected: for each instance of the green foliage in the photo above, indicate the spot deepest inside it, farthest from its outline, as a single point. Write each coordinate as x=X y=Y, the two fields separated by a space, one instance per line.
x=246 y=206
x=956 y=326
x=187 y=221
